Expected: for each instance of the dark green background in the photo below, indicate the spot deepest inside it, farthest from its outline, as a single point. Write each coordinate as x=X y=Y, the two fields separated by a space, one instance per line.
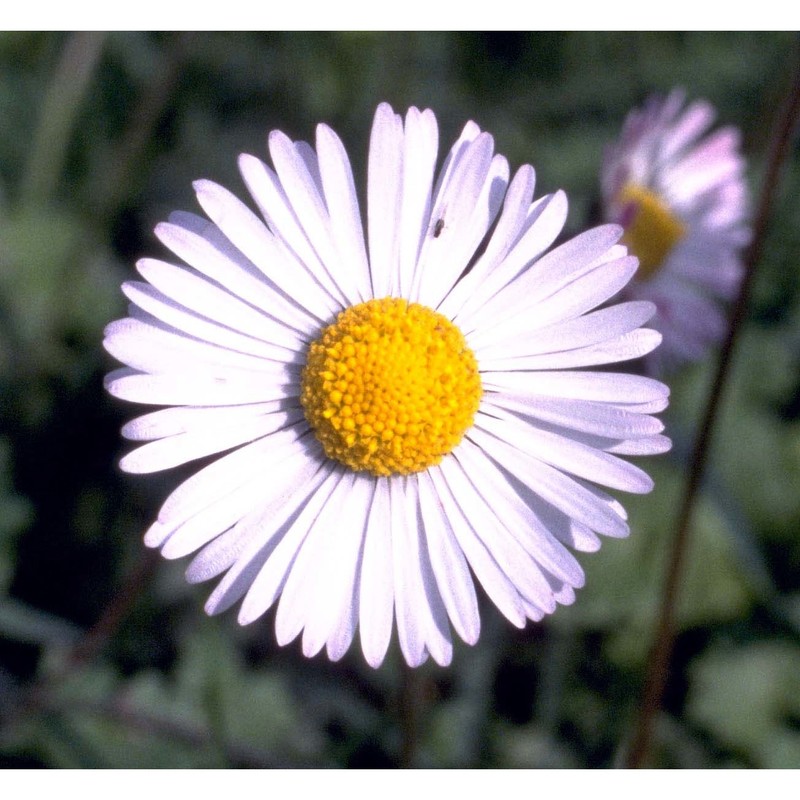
x=98 y=146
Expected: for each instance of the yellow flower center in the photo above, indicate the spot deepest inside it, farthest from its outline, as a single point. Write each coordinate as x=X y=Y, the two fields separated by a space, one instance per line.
x=390 y=387
x=652 y=231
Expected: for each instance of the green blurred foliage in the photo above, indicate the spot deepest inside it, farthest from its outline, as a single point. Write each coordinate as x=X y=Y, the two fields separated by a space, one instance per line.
x=748 y=696
x=100 y=138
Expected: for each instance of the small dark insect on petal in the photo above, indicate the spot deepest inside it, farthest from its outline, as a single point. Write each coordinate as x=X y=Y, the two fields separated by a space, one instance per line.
x=438 y=228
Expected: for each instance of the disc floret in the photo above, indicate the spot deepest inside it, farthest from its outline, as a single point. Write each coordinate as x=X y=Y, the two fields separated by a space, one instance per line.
x=653 y=229
x=390 y=387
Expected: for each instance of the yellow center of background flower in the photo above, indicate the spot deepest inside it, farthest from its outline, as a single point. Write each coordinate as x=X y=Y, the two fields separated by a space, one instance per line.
x=653 y=230
x=390 y=387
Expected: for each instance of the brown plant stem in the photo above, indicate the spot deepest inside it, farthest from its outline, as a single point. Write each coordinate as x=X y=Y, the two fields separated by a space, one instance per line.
x=115 y=613
x=661 y=653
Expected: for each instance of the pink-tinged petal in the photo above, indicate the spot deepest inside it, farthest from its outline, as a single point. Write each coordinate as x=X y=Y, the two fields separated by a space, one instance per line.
x=696 y=180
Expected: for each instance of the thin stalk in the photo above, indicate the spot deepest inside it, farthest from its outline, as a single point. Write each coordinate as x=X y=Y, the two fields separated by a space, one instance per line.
x=661 y=653
x=115 y=613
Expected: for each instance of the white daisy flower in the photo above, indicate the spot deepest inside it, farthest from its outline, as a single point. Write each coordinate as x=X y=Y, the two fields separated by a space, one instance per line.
x=397 y=414
x=681 y=196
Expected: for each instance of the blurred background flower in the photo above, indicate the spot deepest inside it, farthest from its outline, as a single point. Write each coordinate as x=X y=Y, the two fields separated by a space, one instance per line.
x=100 y=138
x=679 y=190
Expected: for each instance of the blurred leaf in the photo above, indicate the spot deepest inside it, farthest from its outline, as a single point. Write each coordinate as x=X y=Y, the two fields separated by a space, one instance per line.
x=530 y=747
x=151 y=720
x=59 y=286
x=254 y=707
x=749 y=698
x=63 y=282
x=752 y=438
x=26 y=624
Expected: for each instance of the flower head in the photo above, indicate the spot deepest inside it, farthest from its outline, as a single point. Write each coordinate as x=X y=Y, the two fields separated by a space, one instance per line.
x=397 y=414
x=680 y=194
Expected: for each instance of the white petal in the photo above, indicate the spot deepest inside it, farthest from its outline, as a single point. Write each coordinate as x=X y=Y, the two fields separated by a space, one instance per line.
x=421 y=617
x=342 y=637
x=565 y=493
x=623 y=348
x=271 y=577
x=303 y=192
x=582 y=415
x=650 y=446
x=454 y=159
x=151 y=347
x=296 y=608
x=493 y=489
x=410 y=604
x=246 y=548
x=583 y=294
x=226 y=473
x=215 y=518
x=552 y=272
x=376 y=596
x=216 y=304
x=515 y=561
x=384 y=196
x=250 y=236
x=589 y=329
x=276 y=343
x=197 y=389
x=342 y=203
x=175 y=420
x=295 y=212
x=565 y=453
x=183 y=447
x=516 y=205
x=494 y=581
x=610 y=387
x=420 y=147
x=543 y=223
x=203 y=246
x=331 y=591
x=449 y=565
x=697 y=118
x=215 y=557
x=467 y=207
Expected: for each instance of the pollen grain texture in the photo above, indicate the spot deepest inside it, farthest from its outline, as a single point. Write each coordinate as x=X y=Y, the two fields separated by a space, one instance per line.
x=390 y=387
